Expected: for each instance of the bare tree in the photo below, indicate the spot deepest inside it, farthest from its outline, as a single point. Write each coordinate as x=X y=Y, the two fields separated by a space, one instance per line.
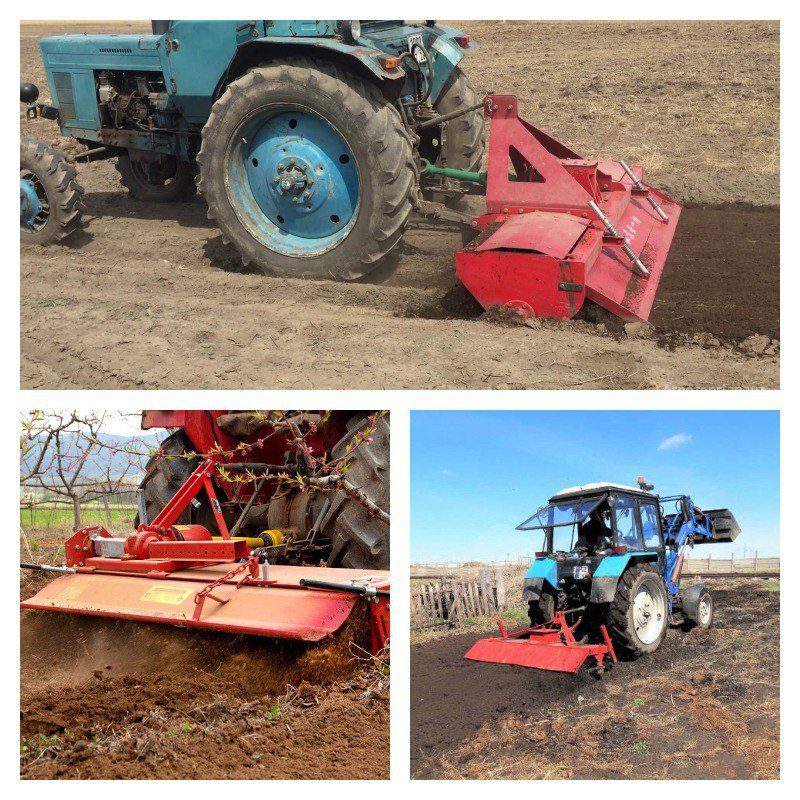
x=61 y=454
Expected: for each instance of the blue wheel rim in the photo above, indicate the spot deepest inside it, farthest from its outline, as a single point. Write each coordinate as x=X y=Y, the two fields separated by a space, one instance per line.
x=33 y=209
x=293 y=181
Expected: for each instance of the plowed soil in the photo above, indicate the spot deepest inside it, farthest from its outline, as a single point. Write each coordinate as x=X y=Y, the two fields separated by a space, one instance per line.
x=148 y=296
x=110 y=699
x=705 y=705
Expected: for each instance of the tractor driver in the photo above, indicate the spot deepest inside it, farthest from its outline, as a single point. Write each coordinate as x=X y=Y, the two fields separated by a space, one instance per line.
x=595 y=535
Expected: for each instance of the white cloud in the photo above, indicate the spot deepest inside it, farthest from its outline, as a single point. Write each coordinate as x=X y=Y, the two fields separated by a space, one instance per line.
x=676 y=441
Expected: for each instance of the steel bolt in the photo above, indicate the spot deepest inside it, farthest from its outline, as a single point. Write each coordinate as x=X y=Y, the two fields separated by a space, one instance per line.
x=474 y=223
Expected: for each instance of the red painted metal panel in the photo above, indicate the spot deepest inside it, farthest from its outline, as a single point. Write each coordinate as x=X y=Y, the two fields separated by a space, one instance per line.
x=525 y=281
x=521 y=652
x=610 y=280
x=283 y=609
x=541 y=232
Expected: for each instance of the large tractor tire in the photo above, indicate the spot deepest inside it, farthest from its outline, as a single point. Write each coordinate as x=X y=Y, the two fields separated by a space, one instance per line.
x=167 y=182
x=164 y=476
x=639 y=615
x=307 y=170
x=465 y=138
x=360 y=540
x=542 y=610
x=51 y=201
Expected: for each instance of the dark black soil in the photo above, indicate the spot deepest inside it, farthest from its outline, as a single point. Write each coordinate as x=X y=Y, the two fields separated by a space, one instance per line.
x=451 y=697
x=723 y=275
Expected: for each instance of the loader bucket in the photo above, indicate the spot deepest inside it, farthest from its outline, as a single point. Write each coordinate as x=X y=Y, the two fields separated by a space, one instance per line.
x=282 y=609
x=560 y=229
x=726 y=528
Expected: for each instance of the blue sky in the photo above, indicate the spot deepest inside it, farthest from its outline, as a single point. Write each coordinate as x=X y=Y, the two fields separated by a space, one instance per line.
x=476 y=475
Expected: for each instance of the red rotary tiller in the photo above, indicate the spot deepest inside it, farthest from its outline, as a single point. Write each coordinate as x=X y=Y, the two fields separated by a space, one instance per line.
x=182 y=575
x=559 y=228
x=551 y=646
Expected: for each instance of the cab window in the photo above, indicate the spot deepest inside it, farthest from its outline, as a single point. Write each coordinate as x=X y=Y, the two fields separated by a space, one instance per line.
x=649 y=514
x=625 y=519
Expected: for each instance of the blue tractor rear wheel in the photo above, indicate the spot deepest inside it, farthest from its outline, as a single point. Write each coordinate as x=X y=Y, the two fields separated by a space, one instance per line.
x=307 y=170
x=50 y=199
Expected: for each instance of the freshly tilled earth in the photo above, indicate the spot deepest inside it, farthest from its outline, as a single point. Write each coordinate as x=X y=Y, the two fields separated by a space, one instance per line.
x=147 y=296
x=705 y=705
x=112 y=699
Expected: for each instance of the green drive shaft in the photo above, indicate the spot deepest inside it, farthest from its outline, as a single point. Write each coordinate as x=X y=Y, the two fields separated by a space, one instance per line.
x=458 y=174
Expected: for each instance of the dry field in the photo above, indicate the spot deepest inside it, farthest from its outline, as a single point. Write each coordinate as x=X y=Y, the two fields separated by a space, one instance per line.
x=705 y=706
x=106 y=699
x=148 y=296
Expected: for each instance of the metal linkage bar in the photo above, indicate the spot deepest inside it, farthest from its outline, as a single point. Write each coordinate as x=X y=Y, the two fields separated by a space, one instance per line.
x=641 y=187
x=635 y=260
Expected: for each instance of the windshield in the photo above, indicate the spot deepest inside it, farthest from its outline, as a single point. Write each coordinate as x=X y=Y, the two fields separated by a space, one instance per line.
x=554 y=515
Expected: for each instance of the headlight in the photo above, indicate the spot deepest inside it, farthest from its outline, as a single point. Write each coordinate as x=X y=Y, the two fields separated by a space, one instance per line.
x=350 y=30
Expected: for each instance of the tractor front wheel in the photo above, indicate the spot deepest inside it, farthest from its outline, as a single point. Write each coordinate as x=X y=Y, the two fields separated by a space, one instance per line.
x=639 y=614
x=307 y=170
x=704 y=616
x=166 y=181
x=50 y=198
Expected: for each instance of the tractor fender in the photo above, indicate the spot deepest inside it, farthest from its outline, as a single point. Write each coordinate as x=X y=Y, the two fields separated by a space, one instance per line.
x=532 y=589
x=609 y=571
x=542 y=570
x=365 y=61
x=690 y=599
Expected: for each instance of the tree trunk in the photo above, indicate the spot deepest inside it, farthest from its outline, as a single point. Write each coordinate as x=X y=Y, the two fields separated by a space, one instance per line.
x=76 y=512
x=108 y=510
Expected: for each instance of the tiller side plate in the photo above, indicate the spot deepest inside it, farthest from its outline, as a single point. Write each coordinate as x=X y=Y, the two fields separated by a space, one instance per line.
x=559 y=228
x=551 y=647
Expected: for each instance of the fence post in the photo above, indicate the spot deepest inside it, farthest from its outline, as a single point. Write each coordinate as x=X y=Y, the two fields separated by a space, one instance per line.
x=708 y=568
x=731 y=562
x=501 y=590
x=755 y=562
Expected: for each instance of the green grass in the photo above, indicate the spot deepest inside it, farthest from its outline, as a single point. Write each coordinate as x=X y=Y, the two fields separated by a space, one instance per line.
x=61 y=517
x=771 y=585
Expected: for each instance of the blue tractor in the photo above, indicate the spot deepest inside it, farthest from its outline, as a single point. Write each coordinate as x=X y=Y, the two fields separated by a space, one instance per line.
x=607 y=582
x=305 y=137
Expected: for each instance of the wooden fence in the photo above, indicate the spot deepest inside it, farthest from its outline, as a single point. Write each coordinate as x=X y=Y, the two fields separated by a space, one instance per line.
x=720 y=567
x=452 y=601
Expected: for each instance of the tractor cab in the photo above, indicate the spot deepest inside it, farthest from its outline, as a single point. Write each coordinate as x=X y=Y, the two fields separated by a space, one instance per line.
x=589 y=523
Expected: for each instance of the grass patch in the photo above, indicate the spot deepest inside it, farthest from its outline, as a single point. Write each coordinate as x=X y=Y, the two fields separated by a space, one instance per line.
x=61 y=518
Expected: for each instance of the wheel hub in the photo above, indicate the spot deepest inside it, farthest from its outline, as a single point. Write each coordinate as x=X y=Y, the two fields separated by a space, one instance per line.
x=292 y=180
x=648 y=615
x=303 y=178
x=29 y=204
